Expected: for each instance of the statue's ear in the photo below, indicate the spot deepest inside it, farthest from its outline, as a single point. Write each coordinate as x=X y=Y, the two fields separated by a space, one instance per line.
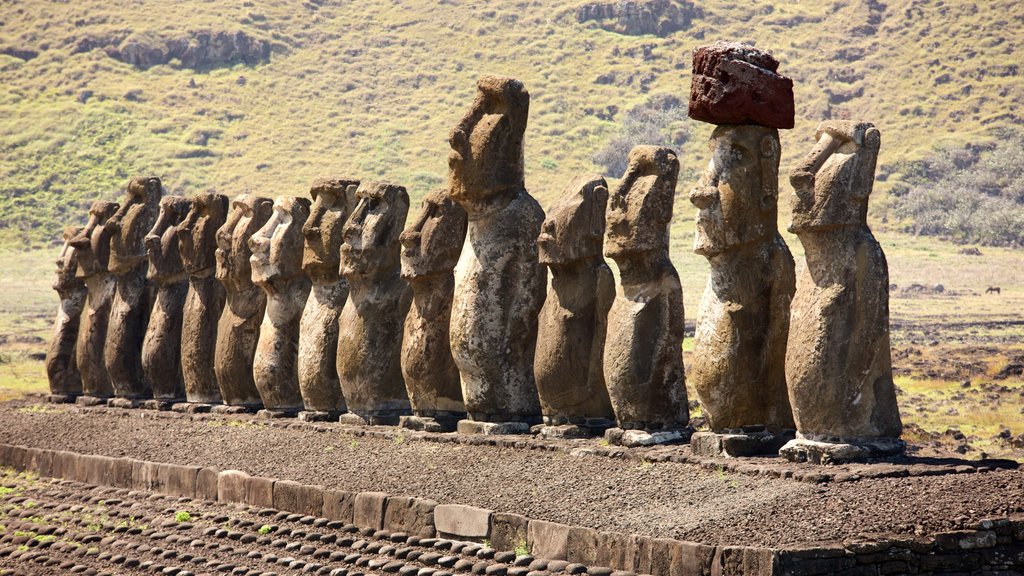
x=769 y=173
x=597 y=214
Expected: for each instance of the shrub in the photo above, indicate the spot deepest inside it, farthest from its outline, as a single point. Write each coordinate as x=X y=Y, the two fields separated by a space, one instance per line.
x=650 y=123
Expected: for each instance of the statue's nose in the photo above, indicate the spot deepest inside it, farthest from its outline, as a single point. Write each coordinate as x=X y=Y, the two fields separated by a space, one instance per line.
x=410 y=238
x=703 y=196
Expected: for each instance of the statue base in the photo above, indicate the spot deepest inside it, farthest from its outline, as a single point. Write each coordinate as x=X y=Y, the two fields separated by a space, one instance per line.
x=841 y=450
x=738 y=443
x=319 y=416
x=273 y=413
x=128 y=403
x=637 y=438
x=383 y=418
x=89 y=401
x=233 y=409
x=161 y=405
x=61 y=398
x=183 y=407
x=562 y=428
x=492 y=428
x=435 y=423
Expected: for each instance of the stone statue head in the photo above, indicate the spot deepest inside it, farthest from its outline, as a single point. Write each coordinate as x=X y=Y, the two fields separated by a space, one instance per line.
x=333 y=200
x=67 y=262
x=92 y=244
x=574 y=228
x=165 y=263
x=433 y=242
x=132 y=222
x=248 y=214
x=737 y=197
x=487 y=144
x=833 y=182
x=640 y=208
x=197 y=233
x=277 y=246
x=372 y=231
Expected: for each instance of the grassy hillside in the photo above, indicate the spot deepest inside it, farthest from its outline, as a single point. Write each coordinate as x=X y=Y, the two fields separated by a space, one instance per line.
x=372 y=88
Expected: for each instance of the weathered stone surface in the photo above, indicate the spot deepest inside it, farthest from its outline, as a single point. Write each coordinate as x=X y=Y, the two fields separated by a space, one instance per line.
x=92 y=246
x=239 y=325
x=633 y=438
x=370 y=326
x=568 y=364
x=508 y=531
x=738 y=444
x=368 y=509
x=463 y=522
x=302 y=499
x=232 y=486
x=39 y=461
x=643 y=362
x=494 y=330
x=145 y=476
x=179 y=480
x=548 y=539
x=161 y=347
x=838 y=362
x=837 y=452
x=639 y=17
x=739 y=84
x=743 y=560
x=333 y=200
x=204 y=303
x=206 y=484
x=61 y=366
x=413 y=516
x=127 y=325
x=492 y=428
x=277 y=269
x=690 y=559
x=431 y=246
x=339 y=505
x=582 y=546
x=259 y=492
x=739 y=362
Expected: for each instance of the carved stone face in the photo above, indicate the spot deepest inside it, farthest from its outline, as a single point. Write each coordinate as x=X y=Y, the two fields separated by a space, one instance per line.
x=574 y=228
x=640 y=208
x=834 y=180
x=197 y=233
x=333 y=200
x=162 y=241
x=487 y=144
x=372 y=231
x=248 y=214
x=67 y=262
x=277 y=246
x=92 y=244
x=131 y=223
x=737 y=196
x=433 y=243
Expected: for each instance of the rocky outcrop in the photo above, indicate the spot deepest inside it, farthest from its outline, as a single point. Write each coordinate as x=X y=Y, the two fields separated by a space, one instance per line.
x=638 y=17
x=197 y=49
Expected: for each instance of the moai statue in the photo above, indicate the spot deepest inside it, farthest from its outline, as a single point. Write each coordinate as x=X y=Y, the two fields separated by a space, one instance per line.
x=130 y=309
x=569 y=365
x=161 y=347
x=61 y=367
x=370 y=326
x=739 y=357
x=333 y=199
x=197 y=243
x=838 y=362
x=92 y=247
x=499 y=282
x=643 y=352
x=277 y=269
x=431 y=248
x=244 y=305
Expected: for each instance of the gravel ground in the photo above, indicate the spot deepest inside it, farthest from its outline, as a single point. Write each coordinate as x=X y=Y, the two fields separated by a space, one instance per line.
x=661 y=499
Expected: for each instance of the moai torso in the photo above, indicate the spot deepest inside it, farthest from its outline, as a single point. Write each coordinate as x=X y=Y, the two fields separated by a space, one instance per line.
x=643 y=356
x=130 y=309
x=499 y=283
x=61 y=366
x=161 y=348
x=738 y=367
x=370 y=327
x=197 y=243
x=569 y=365
x=244 y=304
x=431 y=248
x=333 y=199
x=838 y=363
x=277 y=269
x=92 y=247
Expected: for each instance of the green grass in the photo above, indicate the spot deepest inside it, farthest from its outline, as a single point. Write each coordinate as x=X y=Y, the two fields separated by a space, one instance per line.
x=182 y=516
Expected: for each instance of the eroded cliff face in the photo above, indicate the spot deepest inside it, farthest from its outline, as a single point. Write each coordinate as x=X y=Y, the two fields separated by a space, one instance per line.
x=639 y=17
x=197 y=49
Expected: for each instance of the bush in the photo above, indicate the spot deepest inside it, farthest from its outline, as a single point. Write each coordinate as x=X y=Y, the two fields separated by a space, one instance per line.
x=650 y=123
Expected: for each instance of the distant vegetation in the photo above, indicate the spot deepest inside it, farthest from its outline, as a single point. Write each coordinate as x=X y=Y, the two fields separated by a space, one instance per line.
x=659 y=122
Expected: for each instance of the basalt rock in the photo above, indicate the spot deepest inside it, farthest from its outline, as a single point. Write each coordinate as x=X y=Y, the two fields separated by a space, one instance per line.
x=129 y=312
x=643 y=357
x=739 y=84
x=92 y=247
x=204 y=303
x=431 y=248
x=244 y=305
x=739 y=362
x=277 y=269
x=838 y=363
x=370 y=327
x=333 y=200
x=61 y=365
x=161 y=348
x=499 y=283
x=569 y=365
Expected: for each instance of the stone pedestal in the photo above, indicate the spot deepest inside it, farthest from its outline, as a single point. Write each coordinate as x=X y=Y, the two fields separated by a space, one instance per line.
x=750 y=441
x=376 y=418
x=492 y=428
x=88 y=401
x=319 y=416
x=160 y=405
x=126 y=403
x=61 y=398
x=435 y=423
x=638 y=438
x=192 y=408
x=585 y=429
x=277 y=413
x=839 y=451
